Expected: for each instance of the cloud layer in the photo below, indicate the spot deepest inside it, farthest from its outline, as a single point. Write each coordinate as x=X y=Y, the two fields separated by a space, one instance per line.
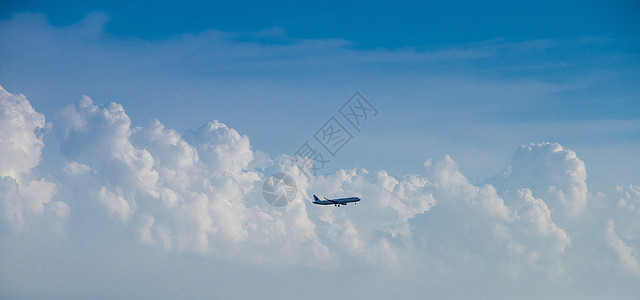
x=200 y=192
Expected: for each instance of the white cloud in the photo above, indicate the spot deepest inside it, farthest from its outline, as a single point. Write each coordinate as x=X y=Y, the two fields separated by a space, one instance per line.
x=20 y=139
x=116 y=204
x=372 y=230
x=201 y=192
x=483 y=222
x=196 y=194
x=537 y=214
x=626 y=255
x=451 y=183
x=550 y=171
x=76 y=168
x=629 y=198
x=24 y=199
x=536 y=237
x=101 y=136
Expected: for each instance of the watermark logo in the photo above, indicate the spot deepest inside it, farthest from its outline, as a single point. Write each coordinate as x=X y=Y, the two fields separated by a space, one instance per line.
x=357 y=109
x=279 y=189
x=331 y=137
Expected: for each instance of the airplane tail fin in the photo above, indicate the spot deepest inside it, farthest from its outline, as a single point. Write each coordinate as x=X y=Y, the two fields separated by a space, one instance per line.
x=315 y=198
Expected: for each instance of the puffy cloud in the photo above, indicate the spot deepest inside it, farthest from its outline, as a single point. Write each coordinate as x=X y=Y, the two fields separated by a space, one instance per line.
x=452 y=184
x=535 y=238
x=484 y=224
x=629 y=198
x=196 y=192
x=375 y=228
x=622 y=226
x=24 y=199
x=549 y=171
x=116 y=204
x=201 y=192
x=101 y=137
x=222 y=148
x=537 y=214
x=20 y=138
x=23 y=204
x=626 y=255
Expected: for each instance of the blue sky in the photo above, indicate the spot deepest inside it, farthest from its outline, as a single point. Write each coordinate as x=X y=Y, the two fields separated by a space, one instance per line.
x=507 y=134
x=370 y=24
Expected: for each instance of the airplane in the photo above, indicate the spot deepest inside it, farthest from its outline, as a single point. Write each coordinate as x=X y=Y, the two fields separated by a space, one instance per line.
x=335 y=202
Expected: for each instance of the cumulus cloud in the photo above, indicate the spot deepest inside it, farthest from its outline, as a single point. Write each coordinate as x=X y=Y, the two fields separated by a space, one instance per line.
x=93 y=133
x=627 y=257
x=381 y=222
x=194 y=192
x=629 y=198
x=519 y=227
x=454 y=185
x=116 y=204
x=24 y=204
x=21 y=139
x=24 y=199
x=201 y=192
x=551 y=172
x=536 y=237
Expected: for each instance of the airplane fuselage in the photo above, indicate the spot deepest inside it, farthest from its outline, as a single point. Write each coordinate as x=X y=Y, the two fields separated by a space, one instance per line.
x=336 y=202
